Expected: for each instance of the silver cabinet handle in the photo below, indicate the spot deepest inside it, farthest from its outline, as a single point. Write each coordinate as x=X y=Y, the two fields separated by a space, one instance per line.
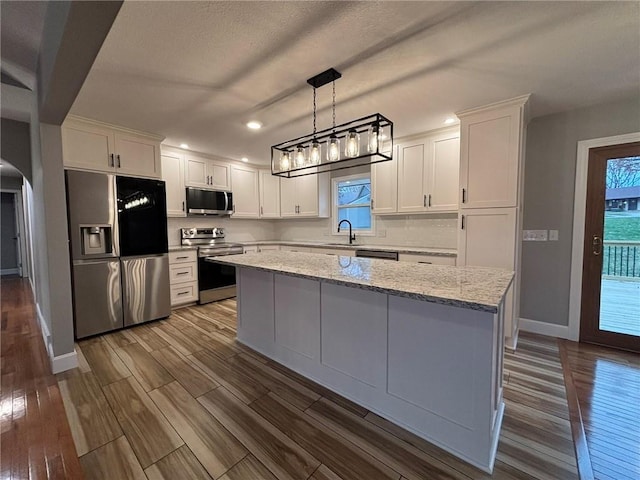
x=118 y=157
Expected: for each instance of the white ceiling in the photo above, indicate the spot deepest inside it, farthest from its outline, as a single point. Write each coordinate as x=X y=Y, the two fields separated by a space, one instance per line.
x=196 y=72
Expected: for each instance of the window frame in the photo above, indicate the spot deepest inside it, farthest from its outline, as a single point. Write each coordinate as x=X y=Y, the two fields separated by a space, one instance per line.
x=334 y=206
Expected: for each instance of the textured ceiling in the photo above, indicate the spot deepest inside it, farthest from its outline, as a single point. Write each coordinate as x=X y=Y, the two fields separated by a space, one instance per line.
x=196 y=72
x=20 y=35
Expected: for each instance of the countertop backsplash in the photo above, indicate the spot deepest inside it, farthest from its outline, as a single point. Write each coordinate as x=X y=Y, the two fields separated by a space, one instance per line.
x=236 y=229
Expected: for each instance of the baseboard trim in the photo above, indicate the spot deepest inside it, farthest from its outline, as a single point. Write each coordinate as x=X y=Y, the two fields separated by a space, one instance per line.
x=59 y=363
x=9 y=271
x=44 y=329
x=544 y=328
x=64 y=362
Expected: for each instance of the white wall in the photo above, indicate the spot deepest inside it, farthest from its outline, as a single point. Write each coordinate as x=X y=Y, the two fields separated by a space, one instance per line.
x=434 y=230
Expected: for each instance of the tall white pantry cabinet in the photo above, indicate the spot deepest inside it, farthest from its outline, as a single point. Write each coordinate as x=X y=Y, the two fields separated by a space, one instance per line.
x=492 y=140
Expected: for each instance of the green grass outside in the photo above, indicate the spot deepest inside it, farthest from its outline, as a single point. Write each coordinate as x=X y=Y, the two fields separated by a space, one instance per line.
x=622 y=227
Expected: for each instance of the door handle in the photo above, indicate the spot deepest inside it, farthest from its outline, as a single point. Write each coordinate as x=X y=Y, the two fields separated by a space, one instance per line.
x=596 y=243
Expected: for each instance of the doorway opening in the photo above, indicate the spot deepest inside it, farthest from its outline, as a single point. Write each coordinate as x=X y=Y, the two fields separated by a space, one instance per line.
x=10 y=251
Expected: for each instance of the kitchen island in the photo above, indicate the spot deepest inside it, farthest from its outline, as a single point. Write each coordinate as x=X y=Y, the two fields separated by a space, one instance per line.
x=420 y=345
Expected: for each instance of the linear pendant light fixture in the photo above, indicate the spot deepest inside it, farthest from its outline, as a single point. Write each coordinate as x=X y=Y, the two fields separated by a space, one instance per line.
x=364 y=141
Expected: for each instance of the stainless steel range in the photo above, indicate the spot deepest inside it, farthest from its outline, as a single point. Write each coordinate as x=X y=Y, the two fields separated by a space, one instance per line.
x=215 y=281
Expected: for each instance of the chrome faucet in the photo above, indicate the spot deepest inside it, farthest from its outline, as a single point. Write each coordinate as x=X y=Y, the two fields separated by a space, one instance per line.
x=352 y=236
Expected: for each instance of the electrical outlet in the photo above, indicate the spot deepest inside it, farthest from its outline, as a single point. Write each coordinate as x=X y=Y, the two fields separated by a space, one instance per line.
x=534 y=235
x=553 y=235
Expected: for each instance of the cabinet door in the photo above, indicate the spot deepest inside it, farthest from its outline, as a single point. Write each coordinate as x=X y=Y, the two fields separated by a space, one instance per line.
x=444 y=167
x=288 y=197
x=196 y=175
x=137 y=156
x=487 y=237
x=489 y=159
x=244 y=185
x=384 y=186
x=411 y=175
x=173 y=175
x=219 y=175
x=307 y=194
x=269 y=195
x=88 y=147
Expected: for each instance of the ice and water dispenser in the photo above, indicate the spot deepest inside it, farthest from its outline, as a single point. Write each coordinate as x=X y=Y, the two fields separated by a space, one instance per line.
x=96 y=239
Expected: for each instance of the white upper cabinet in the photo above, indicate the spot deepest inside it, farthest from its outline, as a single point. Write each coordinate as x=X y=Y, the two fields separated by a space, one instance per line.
x=269 y=194
x=244 y=185
x=428 y=173
x=173 y=175
x=487 y=238
x=90 y=145
x=491 y=142
x=206 y=173
x=384 y=187
x=307 y=196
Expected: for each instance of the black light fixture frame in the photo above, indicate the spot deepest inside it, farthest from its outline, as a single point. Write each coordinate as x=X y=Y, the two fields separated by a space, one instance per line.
x=361 y=125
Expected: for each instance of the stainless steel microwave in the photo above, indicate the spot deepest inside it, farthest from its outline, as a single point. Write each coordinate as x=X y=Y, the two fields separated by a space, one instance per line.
x=208 y=202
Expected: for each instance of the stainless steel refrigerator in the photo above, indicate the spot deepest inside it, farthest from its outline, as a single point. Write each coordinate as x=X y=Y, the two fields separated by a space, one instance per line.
x=119 y=251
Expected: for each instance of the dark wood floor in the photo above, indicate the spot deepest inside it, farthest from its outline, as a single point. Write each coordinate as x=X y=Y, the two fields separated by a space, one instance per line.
x=181 y=398
x=606 y=383
x=36 y=441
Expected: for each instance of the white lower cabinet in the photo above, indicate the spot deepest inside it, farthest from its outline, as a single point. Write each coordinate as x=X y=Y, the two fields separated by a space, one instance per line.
x=426 y=258
x=183 y=277
x=485 y=237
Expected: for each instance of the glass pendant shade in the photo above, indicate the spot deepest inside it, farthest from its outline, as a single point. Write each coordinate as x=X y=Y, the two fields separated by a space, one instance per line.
x=315 y=153
x=300 y=158
x=352 y=144
x=285 y=161
x=333 y=149
x=376 y=137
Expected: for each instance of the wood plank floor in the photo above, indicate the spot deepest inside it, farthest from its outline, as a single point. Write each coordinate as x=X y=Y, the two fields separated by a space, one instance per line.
x=180 y=398
x=36 y=439
x=620 y=305
x=606 y=384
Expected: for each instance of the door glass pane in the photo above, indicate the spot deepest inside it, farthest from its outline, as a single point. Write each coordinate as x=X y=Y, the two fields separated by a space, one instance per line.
x=620 y=290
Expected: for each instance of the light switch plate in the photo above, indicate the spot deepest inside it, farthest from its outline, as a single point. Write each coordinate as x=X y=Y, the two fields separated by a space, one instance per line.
x=534 y=235
x=553 y=235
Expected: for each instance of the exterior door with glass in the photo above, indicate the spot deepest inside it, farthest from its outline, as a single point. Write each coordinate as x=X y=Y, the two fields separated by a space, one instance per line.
x=610 y=309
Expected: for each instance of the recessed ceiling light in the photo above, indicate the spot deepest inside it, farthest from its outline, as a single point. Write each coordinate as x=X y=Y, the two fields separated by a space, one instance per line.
x=449 y=121
x=254 y=125
x=184 y=145
x=244 y=159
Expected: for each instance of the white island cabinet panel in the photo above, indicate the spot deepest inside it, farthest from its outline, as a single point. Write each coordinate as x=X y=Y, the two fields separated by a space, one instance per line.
x=417 y=350
x=297 y=313
x=259 y=306
x=349 y=313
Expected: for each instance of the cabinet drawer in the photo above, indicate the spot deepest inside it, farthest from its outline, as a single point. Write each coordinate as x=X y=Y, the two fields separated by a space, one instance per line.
x=183 y=272
x=434 y=259
x=183 y=256
x=184 y=293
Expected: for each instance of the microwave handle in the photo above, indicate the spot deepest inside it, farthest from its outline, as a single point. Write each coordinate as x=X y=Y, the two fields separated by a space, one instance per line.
x=226 y=202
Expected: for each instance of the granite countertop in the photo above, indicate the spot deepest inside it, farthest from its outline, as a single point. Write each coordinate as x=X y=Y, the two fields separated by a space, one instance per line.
x=180 y=248
x=436 y=252
x=476 y=288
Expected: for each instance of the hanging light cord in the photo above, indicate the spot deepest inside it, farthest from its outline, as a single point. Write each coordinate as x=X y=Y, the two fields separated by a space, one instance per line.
x=314 y=112
x=334 y=105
